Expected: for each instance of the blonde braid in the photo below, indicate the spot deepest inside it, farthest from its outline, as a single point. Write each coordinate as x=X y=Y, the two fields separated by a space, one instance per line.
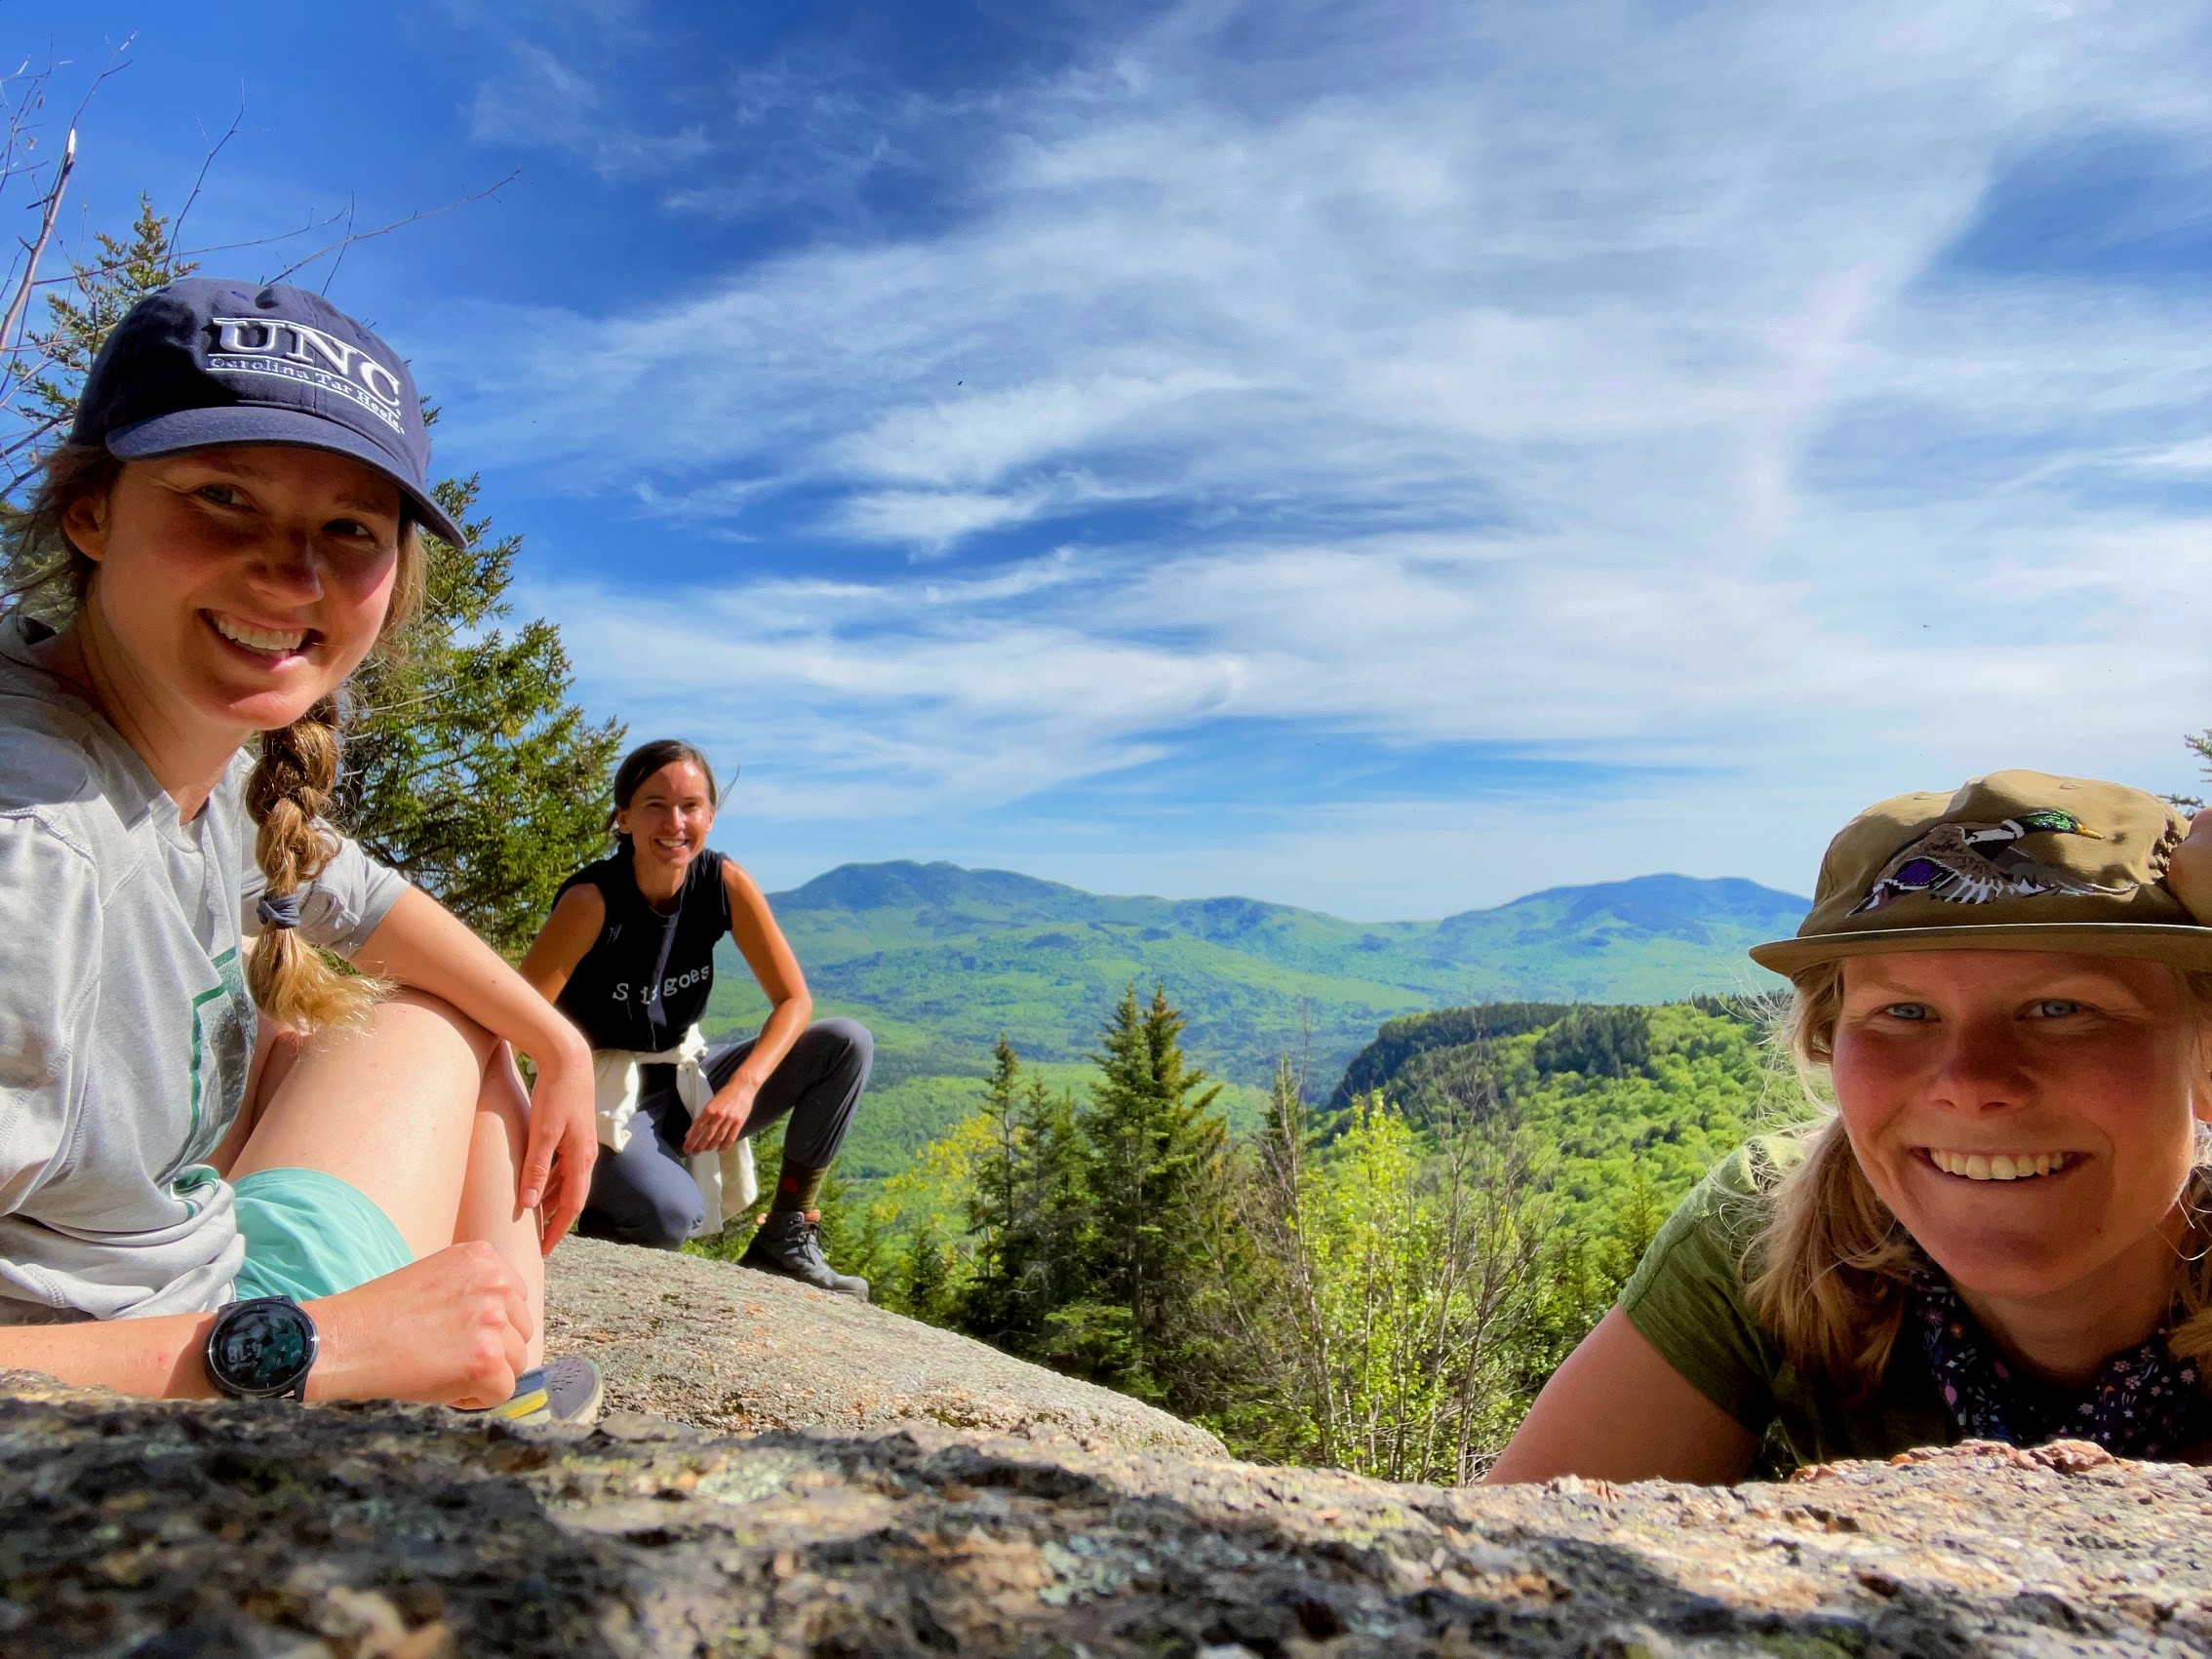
x=289 y=793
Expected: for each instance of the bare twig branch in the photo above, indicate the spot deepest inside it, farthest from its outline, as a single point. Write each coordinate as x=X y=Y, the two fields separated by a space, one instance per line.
x=351 y=237
x=107 y=268
x=36 y=434
x=12 y=377
x=116 y=63
x=330 y=275
x=52 y=211
x=20 y=136
x=208 y=154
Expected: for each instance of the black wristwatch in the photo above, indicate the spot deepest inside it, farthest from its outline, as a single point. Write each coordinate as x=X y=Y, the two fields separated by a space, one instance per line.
x=262 y=1348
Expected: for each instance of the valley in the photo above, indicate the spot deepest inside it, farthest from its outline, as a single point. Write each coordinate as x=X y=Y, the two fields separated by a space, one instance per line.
x=938 y=961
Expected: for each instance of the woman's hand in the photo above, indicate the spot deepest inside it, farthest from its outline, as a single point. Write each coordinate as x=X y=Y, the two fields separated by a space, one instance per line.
x=563 y=1143
x=722 y=1120
x=452 y=1330
x=2189 y=877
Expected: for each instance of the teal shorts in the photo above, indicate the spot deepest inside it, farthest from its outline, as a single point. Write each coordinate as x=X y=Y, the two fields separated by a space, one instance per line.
x=309 y=1235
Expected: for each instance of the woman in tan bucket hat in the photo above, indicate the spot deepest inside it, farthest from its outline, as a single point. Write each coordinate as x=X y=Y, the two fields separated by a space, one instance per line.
x=2002 y=1227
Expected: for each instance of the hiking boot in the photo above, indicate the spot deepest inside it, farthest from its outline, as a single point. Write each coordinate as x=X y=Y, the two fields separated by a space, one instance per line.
x=565 y=1391
x=789 y=1244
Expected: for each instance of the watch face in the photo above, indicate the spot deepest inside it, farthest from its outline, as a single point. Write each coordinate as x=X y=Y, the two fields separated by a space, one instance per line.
x=262 y=1346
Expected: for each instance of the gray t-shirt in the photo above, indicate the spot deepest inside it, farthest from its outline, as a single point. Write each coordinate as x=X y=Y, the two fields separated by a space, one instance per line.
x=126 y=1030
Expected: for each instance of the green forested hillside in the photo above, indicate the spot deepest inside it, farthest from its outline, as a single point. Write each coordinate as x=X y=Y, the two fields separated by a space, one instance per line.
x=1382 y=1285
x=1634 y=1104
x=938 y=961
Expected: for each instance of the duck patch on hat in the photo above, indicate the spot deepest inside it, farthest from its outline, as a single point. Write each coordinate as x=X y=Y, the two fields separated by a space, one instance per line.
x=1976 y=864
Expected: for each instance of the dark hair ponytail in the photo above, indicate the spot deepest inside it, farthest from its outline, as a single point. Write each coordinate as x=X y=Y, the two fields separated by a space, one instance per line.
x=641 y=763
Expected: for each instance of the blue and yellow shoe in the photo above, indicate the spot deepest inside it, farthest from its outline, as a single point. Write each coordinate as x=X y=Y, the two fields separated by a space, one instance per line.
x=567 y=1391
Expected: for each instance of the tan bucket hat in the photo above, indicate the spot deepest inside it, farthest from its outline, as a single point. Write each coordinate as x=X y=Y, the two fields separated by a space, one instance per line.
x=2017 y=860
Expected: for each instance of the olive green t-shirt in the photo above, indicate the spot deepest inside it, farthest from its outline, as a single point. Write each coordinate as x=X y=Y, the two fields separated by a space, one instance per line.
x=1686 y=1296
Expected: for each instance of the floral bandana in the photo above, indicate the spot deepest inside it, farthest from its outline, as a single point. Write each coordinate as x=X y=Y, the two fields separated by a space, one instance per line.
x=2145 y=1403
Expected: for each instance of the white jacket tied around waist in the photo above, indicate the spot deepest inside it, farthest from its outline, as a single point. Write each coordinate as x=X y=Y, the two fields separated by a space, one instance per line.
x=726 y=1180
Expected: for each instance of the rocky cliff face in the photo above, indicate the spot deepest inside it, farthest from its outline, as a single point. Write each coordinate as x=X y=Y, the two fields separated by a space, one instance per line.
x=160 y=1529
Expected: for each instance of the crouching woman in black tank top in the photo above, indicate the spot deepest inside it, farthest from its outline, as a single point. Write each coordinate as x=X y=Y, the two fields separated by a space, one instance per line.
x=628 y=955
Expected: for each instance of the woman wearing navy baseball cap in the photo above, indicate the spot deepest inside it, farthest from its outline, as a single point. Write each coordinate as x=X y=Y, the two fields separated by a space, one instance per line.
x=226 y=1163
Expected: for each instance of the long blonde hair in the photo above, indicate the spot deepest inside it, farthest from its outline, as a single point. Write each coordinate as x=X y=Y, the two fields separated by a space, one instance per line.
x=1830 y=1267
x=294 y=782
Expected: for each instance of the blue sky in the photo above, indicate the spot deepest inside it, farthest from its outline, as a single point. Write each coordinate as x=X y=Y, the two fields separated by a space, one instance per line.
x=1381 y=457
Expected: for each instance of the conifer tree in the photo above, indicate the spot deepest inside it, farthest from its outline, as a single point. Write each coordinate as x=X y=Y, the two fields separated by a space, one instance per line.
x=469 y=770
x=923 y=1287
x=1027 y=1211
x=992 y=1201
x=1046 y=1243
x=1153 y=1178
x=1053 y=1214
x=127 y=269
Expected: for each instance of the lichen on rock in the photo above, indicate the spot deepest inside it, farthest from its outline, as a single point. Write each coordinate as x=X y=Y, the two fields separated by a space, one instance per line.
x=162 y=1530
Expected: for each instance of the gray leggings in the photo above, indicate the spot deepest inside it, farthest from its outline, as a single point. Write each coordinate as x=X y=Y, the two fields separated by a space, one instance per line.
x=643 y=1195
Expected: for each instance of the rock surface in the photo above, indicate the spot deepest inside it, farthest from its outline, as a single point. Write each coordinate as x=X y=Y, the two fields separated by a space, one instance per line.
x=166 y=1530
x=725 y=1347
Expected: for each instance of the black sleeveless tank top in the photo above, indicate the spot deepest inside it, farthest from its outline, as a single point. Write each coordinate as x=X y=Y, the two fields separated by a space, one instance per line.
x=646 y=977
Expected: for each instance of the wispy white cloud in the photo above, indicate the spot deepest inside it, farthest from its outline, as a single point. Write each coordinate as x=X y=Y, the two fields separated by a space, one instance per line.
x=1586 y=379
x=806 y=131
x=979 y=438
x=988 y=713
x=540 y=100
x=2190 y=458
x=931 y=520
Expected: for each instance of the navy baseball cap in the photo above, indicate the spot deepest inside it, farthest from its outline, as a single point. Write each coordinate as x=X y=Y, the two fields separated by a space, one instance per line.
x=205 y=362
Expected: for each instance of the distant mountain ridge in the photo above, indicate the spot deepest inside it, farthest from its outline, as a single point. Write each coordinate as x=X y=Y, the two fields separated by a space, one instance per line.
x=864 y=909
x=939 y=960
x=1659 y=901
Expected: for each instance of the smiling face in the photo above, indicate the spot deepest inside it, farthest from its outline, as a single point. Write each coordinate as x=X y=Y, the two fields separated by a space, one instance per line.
x=668 y=816
x=238 y=587
x=2029 y=1117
